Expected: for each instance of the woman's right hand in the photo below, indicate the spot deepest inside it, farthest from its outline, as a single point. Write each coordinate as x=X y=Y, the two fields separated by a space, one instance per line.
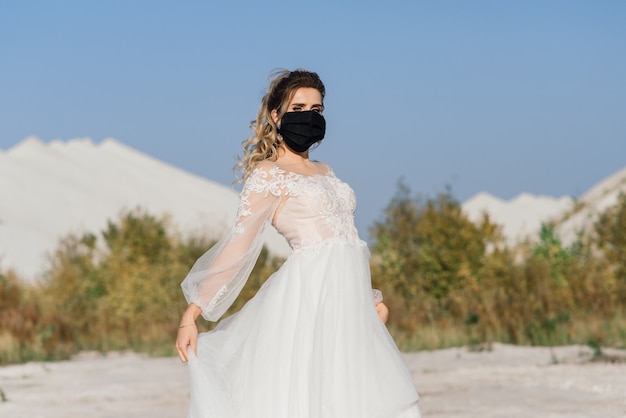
x=187 y=332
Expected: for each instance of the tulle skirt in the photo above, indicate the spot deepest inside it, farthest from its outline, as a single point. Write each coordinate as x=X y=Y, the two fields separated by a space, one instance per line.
x=308 y=345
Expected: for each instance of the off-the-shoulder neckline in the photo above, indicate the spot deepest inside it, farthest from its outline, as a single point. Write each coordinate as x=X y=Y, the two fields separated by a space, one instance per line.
x=328 y=173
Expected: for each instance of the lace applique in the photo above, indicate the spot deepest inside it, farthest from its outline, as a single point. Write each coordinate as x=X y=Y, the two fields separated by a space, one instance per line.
x=273 y=181
x=238 y=229
x=216 y=298
x=333 y=199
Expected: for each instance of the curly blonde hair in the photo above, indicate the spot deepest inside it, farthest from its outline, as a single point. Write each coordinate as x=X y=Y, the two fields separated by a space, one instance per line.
x=264 y=144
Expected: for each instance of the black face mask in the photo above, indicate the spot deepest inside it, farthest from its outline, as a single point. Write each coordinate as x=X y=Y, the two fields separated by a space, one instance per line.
x=300 y=130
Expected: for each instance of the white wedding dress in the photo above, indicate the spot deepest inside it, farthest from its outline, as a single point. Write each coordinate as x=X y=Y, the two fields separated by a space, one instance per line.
x=309 y=344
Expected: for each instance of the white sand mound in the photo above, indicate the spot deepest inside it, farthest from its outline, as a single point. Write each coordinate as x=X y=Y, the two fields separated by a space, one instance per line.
x=522 y=216
x=593 y=203
x=508 y=381
x=51 y=190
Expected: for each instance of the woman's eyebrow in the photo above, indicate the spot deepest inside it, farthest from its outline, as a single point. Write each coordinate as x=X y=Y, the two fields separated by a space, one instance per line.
x=304 y=104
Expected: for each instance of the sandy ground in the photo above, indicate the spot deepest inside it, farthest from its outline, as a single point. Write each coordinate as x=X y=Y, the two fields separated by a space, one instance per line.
x=506 y=381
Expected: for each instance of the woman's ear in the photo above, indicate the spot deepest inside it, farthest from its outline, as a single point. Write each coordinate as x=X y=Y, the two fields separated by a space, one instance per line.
x=274 y=115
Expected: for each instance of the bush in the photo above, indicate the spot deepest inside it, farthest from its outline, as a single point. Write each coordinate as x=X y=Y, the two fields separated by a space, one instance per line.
x=446 y=280
x=449 y=282
x=426 y=251
x=611 y=236
x=114 y=291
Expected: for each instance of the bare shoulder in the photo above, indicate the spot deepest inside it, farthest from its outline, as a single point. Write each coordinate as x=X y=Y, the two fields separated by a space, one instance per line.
x=323 y=167
x=261 y=171
x=265 y=165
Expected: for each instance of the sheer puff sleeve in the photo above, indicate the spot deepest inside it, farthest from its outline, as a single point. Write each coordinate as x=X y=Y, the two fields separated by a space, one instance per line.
x=218 y=276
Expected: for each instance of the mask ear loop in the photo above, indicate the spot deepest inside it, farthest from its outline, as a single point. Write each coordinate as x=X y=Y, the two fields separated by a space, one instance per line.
x=278 y=135
x=279 y=117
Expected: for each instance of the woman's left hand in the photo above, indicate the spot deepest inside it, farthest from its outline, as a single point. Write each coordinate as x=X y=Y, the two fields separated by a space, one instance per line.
x=382 y=311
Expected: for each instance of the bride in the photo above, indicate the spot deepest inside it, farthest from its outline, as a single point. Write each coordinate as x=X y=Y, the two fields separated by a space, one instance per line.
x=309 y=344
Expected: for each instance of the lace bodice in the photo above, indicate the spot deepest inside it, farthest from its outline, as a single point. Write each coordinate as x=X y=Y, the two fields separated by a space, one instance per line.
x=310 y=211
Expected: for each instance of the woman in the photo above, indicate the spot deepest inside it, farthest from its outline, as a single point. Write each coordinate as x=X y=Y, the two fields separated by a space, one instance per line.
x=310 y=343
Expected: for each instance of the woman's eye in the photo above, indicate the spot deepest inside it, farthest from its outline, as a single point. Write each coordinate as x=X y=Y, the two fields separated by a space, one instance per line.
x=296 y=109
x=318 y=110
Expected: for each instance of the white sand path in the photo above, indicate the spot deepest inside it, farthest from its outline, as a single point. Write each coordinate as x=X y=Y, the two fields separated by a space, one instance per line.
x=507 y=381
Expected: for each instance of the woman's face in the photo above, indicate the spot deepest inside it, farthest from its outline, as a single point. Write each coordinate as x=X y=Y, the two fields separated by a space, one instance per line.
x=305 y=98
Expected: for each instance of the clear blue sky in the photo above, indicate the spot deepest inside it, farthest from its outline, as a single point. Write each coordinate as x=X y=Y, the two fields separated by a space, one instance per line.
x=497 y=96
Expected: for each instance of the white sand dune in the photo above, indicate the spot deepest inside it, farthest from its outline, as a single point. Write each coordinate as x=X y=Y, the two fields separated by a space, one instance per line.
x=522 y=216
x=508 y=381
x=595 y=201
x=52 y=189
